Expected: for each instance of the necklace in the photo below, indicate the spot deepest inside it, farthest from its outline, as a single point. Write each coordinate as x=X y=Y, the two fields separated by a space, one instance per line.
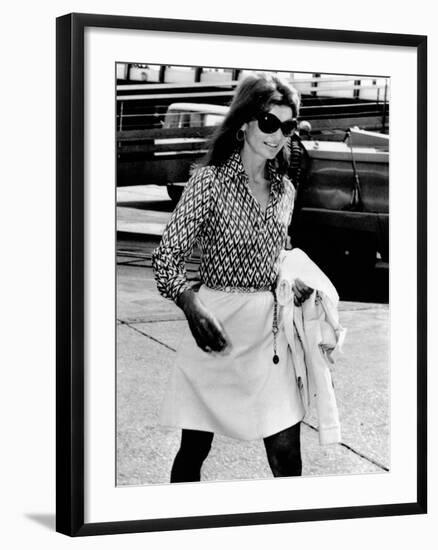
x=275 y=358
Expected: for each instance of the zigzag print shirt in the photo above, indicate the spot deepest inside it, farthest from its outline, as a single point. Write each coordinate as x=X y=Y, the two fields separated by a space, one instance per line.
x=240 y=244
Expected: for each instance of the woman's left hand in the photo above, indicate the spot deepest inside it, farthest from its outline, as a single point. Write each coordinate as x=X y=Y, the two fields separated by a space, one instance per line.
x=301 y=292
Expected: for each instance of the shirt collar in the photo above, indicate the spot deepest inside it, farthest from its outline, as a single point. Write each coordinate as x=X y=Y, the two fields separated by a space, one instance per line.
x=275 y=178
x=235 y=165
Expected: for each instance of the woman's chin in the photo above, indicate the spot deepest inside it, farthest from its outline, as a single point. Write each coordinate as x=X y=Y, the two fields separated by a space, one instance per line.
x=271 y=152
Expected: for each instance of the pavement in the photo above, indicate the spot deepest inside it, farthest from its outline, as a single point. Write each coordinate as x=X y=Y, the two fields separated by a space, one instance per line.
x=131 y=217
x=149 y=330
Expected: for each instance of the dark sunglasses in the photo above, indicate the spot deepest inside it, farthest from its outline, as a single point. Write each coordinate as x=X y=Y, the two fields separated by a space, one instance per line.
x=269 y=123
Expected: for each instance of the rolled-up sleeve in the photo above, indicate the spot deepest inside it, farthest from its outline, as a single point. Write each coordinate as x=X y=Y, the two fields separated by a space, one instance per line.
x=181 y=233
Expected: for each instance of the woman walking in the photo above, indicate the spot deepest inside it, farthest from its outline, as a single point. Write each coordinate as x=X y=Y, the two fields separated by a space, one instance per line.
x=234 y=373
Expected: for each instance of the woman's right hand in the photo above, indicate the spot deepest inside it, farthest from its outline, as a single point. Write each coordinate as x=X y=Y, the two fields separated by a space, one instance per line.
x=205 y=328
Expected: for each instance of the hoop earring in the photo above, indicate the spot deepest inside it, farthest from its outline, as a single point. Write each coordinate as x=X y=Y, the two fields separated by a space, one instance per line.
x=240 y=135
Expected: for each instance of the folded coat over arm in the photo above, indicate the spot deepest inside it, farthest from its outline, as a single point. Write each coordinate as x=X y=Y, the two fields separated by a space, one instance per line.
x=314 y=333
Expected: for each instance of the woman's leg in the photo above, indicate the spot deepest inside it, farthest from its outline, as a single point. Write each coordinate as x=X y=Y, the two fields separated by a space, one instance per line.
x=284 y=452
x=194 y=448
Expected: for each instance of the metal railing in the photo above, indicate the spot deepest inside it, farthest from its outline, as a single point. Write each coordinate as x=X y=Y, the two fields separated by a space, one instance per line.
x=143 y=106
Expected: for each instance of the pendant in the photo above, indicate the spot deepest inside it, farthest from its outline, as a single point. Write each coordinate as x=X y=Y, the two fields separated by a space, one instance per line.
x=275 y=359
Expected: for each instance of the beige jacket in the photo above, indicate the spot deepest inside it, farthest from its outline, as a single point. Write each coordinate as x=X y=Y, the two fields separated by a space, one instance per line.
x=314 y=333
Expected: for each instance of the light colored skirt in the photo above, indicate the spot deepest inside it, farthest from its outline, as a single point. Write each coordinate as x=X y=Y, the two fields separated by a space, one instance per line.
x=243 y=395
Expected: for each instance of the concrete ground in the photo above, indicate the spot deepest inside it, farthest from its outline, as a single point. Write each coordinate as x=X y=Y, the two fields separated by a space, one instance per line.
x=149 y=331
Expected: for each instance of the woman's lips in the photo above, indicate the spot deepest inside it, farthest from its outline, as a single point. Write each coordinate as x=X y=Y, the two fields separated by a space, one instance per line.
x=272 y=145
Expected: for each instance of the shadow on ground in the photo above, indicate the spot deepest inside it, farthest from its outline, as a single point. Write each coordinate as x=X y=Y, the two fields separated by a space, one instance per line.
x=46 y=520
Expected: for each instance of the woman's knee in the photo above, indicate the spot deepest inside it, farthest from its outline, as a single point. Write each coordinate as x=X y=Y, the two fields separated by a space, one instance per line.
x=194 y=448
x=196 y=444
x=284 y=452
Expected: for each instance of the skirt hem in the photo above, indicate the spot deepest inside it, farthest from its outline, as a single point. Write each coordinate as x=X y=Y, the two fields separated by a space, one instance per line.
x=221 y=433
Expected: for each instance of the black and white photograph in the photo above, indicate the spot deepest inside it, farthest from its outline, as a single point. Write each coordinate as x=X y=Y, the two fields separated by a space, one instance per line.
x=252 y=274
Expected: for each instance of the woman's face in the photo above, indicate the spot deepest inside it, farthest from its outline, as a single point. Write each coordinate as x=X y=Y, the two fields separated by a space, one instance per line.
x=263 y=145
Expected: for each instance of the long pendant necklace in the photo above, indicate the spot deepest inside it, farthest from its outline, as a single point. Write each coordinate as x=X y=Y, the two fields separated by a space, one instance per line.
x=275 y=358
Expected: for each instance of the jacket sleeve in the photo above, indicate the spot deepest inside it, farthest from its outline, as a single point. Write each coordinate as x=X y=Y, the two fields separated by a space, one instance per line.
x=183 y=230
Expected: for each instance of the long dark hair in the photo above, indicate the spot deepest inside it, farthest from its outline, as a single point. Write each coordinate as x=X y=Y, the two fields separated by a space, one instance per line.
x=257 y=92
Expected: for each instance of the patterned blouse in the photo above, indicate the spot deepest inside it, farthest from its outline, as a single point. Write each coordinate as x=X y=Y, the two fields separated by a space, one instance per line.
x=240 y=244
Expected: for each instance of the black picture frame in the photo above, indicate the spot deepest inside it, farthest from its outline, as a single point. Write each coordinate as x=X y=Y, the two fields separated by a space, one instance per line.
x=70 y=273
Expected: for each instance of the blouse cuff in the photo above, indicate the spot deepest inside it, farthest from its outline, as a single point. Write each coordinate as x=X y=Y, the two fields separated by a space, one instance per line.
x=177 y=288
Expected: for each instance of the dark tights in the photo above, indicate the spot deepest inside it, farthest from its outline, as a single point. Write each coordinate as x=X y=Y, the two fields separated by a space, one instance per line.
x=282 y=449
x=284 y=452
x=194 y=448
